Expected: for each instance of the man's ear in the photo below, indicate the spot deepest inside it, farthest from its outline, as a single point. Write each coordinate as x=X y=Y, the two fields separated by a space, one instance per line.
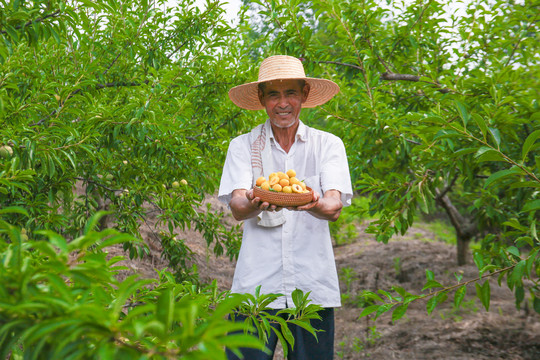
x=305 y=92
x=261 y=96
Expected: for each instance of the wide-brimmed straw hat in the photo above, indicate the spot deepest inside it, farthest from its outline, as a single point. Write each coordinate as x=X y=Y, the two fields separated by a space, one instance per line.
x=282 y=67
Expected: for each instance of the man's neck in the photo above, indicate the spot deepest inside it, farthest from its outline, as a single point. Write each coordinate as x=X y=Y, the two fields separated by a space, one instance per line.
x=285 y=136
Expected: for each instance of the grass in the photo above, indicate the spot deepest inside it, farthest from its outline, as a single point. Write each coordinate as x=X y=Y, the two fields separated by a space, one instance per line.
x=443 y=231
x=345 y=230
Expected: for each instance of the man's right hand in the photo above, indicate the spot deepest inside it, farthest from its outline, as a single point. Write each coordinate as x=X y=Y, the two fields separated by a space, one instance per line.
x=244 y=205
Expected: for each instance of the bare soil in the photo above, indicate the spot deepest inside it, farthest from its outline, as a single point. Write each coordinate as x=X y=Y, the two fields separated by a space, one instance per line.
x=469 y=332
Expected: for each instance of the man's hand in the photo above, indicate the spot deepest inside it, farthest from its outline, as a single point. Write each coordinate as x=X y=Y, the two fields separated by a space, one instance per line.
x=245 y=205
x=326 y=208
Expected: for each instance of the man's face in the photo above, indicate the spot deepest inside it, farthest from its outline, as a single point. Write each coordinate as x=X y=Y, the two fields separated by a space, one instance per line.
x=283 y=100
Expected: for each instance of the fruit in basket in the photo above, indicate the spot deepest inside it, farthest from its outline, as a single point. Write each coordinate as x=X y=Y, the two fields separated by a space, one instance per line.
x=274 y=180
x=260 y=180
x=280 y=181
x=282 y=175
x=296 y=188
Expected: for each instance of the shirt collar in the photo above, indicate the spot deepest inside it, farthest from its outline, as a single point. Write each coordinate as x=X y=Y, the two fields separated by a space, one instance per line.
x=301 y=133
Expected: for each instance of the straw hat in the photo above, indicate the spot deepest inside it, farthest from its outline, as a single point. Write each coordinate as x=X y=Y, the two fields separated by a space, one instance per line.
x=281 y=67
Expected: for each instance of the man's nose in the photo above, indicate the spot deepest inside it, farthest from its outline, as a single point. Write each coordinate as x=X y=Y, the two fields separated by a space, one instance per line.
x=283 y=102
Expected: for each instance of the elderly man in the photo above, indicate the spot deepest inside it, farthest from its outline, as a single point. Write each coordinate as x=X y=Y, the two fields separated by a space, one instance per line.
x=287 y=248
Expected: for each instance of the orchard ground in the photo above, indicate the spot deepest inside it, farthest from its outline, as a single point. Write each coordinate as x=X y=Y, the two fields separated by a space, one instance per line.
x=469 y=332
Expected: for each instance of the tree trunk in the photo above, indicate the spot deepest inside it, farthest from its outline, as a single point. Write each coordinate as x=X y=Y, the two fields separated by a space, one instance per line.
x=462 y=250
x=465 y=229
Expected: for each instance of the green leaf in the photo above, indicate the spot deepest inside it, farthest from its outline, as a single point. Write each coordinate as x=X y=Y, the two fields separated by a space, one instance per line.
x=94 y=220
x=14 y=210
x=514 y=251
x=399 y=311
x=530 y=261
x=297 y=297
x=536 y=304
x=304 y=325
x=496 y=136
x=459 y=295
x=165 y=308
x=529 y=142
x=432 y=304
x=515 y=278
x=484 y=293
x=465 y=151
x=488 y=154
x=531 y=205
x=499 y=175
x=430 y=284
x=481 y=124
x=462 y=113
x=368 y=310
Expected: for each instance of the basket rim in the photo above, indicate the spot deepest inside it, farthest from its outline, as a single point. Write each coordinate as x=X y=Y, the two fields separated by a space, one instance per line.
x=284 y=199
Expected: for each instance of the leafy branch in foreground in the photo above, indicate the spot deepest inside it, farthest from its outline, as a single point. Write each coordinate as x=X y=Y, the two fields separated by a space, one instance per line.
x=61 y=299
x=398 y=304
x=257 y=317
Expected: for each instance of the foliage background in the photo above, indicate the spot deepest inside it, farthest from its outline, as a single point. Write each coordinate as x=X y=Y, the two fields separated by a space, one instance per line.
x=127 y=101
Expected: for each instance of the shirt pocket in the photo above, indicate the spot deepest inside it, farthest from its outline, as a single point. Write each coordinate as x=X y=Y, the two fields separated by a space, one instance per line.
x=314 y=182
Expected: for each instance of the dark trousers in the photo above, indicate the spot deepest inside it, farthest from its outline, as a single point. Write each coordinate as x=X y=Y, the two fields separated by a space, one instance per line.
x=306 y=347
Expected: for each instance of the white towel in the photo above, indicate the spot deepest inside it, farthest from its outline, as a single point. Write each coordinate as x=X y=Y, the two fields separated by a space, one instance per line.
x=263 y=165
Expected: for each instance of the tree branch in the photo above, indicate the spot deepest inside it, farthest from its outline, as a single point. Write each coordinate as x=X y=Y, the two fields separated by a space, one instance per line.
x=408 y=77
x=412 y=26
x=97 y=184
x=98 y=86
x=465 y=229
x=516 y=45
x=30 y=22
x=340 y=63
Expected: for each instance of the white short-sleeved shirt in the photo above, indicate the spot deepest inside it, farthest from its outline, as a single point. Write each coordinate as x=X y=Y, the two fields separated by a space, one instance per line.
x=297 y=254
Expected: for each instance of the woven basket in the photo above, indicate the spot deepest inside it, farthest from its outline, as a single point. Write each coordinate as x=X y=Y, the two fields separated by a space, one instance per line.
x=283 y=199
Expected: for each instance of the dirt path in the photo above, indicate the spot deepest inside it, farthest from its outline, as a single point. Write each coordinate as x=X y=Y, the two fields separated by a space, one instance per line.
x=466 y=333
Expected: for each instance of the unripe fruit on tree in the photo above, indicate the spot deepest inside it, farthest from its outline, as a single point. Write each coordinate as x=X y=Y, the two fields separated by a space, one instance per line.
x=109 y=177
x=175 y=184
x=378 y=142
x=6 y=151
x=125 y=162
x=183 y=182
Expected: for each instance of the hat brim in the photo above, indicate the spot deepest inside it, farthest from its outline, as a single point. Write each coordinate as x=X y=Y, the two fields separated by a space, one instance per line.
x=246 y=96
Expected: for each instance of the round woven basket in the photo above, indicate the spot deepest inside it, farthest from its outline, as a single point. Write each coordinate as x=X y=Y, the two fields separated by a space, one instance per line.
x=283 y=199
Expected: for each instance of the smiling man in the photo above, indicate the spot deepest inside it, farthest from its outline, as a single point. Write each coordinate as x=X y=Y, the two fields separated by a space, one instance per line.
x=284 y=249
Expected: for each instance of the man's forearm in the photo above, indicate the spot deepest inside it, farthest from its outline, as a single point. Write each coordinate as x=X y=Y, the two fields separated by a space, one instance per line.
x=328 y=207
x=242 y=208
